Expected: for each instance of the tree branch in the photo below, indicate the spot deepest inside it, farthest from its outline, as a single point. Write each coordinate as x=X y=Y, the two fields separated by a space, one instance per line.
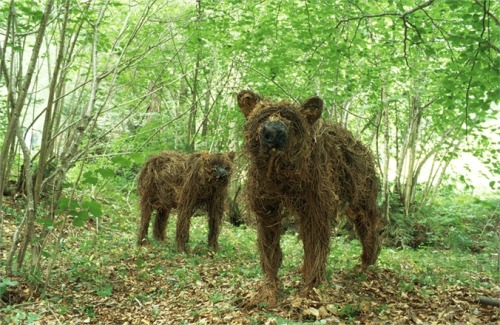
x=489 y=13
x=422 y=6
x=386 y=14
x=403 y=16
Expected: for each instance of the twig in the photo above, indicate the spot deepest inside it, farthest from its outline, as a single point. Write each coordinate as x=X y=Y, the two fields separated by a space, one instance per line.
x=140 y=303
x=489 y=301
x=55 y=315
x=270 y=79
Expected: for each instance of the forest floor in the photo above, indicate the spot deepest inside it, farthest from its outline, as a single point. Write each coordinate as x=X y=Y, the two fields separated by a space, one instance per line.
x=101 y=277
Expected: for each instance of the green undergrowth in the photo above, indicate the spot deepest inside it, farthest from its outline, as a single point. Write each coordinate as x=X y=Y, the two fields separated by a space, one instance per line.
x=101 y=257
x=457 y=222
x=86 y=256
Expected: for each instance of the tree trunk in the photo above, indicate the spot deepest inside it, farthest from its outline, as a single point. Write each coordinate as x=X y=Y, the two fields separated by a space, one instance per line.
x=206 y=108
x=191 y=127
x=19 y=102
x=411 y=180
x=47 y=143
x=387 y=157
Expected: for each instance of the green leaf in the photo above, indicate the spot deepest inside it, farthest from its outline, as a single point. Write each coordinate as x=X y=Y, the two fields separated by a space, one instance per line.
x=78 y=222
x=89 y=178
x=32 y=318
x=121 y=161
x=106 y=291
x=138 y=158
x=67 y=204
x=82 y=214
x=46 y=222
x=6 y=283
x=63 y=203
x=106 y=172
x=94 y=207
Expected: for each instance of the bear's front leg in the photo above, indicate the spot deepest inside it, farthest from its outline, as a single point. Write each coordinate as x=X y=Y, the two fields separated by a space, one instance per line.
x=315 y=232
x=182 y=231
x=268 y=242
x=215 y=214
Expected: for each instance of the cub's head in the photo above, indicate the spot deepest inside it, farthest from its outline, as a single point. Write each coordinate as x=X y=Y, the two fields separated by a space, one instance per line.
x=216 y=168
x=277 y=127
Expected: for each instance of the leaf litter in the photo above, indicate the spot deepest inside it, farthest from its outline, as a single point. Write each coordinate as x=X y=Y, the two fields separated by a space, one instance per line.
x=154 y=285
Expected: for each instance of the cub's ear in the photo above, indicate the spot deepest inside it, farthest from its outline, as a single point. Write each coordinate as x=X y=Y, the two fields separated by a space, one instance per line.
x=247 y=100
x=311 y=109
x=231 y=155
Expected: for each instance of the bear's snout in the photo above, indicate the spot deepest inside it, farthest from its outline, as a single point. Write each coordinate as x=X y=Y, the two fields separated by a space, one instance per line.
x=222 y=173
x=274 y=134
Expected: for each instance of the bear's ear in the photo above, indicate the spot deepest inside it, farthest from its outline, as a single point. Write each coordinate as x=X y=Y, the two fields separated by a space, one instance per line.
x=311 y=109
x=231 y=155
x=247 y=100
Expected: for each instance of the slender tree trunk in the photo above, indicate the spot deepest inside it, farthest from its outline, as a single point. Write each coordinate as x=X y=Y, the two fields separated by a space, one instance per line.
x=397 y=179
x=70 y=153
x=401 y=156
x=194 y=89
x=5 y=160
x=412 y=147
x=445 y=164
x=206 y=108
x=387 y=156
x=191 y=131
x=30 y=211
x=46 y=144
x=23 y=92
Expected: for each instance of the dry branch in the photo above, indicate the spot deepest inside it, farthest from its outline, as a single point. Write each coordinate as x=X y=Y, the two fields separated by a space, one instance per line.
x=489 y=301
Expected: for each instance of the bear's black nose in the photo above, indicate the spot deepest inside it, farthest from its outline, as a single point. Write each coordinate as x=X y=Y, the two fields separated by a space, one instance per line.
x=222 y=173
x=274 y=134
